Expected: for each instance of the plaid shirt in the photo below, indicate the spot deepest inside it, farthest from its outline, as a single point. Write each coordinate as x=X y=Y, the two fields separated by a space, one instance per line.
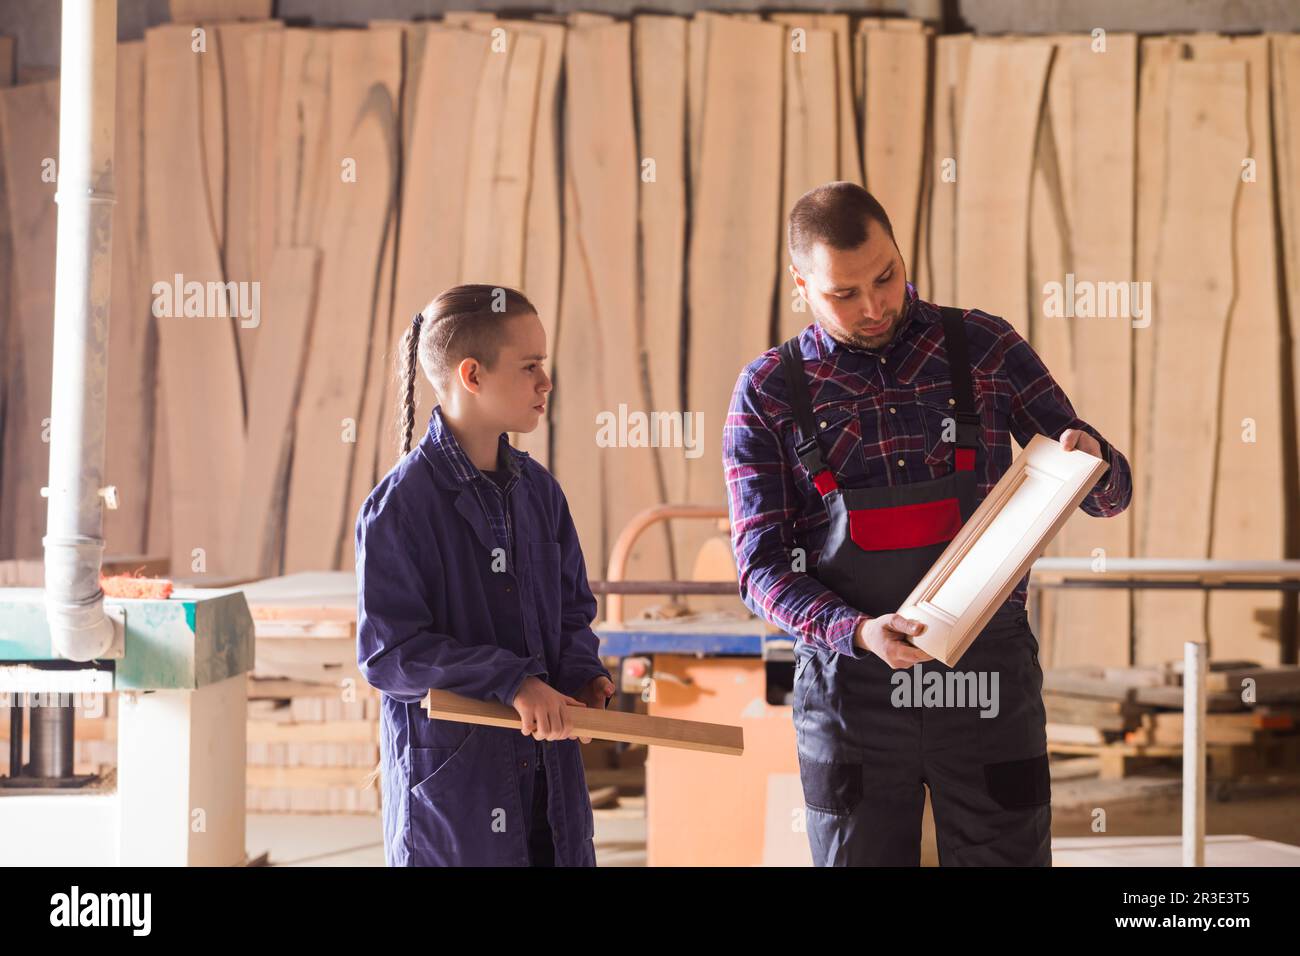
x=881 y=416
x=490 y=495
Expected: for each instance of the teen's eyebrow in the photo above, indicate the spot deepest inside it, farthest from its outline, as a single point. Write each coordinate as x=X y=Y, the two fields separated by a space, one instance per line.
x=532 y=358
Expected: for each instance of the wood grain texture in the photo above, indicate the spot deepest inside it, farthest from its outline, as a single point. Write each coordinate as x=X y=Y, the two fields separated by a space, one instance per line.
x=288 y=304
x=1286 y=129
x=1004 y=88
x=433 y=206
x=198 y=362
x=660 y=48
x=1095 y=627
x=29 y=125
x=1248 y=504
x=733 y=253
x=598 y=724
x=811 y=148
x=132 y=342
x=951 y=56
x=365 y=76
x=1194 y=288
x=896 y=90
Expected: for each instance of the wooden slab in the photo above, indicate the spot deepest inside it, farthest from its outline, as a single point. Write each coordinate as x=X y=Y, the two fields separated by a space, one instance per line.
x=660 y=50
x=29 y=125
x=951 y=55
x=1004 y=90
x=198 y=361
x=598 y=724
x=288 y=304
x=736 y=219
x=1194 y=289
x=893 y=140
x=365 y=76
x=811 y=149
x=1249 y=501
x=433 y=206
x=1094 y=627
x=849 y=163
x=132 y=345
x=1286 y=131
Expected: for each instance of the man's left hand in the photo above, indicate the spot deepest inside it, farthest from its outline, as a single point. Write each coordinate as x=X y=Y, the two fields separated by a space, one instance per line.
x=595 y=694
x=1073 y=438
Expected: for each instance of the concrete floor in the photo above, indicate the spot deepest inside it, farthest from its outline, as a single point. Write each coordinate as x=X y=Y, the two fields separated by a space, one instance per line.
x=350 y=840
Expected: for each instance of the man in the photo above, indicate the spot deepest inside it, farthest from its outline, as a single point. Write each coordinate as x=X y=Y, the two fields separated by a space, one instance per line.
x=853 y=454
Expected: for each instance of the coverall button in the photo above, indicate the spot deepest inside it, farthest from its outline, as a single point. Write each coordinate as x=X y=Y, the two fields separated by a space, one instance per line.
x=823 y=424
x=893 y=410
x=952 y=401
x=900 y=463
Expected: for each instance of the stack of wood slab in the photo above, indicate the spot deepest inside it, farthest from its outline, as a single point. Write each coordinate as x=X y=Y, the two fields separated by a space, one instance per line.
x=632 y=177
x=1132 y=718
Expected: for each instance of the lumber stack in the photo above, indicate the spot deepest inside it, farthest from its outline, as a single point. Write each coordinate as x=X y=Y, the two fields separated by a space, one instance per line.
x=1132 y=718
x=632 y=177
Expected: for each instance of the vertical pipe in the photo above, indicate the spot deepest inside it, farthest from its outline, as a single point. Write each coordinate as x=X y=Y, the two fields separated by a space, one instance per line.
x=52 y=738
x=1194 y=668
x=74 y=544
x=16 y=735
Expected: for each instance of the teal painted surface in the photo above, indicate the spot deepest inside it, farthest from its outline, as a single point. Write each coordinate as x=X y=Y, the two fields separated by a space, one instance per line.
x=195 y=638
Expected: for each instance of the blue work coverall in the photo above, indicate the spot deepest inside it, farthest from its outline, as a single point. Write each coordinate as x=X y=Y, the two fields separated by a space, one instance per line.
x=440 y=604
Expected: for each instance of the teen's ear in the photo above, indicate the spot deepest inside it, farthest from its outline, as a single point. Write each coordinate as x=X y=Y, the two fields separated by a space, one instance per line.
x=468 y=372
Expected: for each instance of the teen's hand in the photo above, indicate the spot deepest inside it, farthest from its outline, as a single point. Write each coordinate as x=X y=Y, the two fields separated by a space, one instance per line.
x=541 y=710
x=596 y=694
x=887 y=637
x=1073 y=438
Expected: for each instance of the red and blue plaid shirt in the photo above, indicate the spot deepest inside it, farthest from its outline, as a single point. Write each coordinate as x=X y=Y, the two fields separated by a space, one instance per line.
x=881 y=415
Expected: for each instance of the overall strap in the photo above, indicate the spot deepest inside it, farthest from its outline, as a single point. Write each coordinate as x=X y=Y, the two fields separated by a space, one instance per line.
x=963 y=392
x=806 y=446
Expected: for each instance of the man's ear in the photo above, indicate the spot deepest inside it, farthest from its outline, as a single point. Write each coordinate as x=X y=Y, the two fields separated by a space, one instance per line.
x=799 y=282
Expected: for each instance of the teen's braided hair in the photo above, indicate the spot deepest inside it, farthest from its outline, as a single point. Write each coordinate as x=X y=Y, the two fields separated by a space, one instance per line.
x=464 y=321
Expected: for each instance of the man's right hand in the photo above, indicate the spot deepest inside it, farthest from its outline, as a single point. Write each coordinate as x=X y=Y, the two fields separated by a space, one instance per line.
x=542 y=710
x=886 y=636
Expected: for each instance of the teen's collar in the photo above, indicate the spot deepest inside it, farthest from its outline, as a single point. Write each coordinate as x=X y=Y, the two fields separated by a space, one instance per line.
x=451 y=466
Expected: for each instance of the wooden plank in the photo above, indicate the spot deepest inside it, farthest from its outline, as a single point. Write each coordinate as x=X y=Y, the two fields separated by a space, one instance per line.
x=192 y=10
x=7 y=309
x=952 y=54
x=896 y=90
x=995 y=547
x=433 y=205
x=1050 y=259
x=500 y=159
x=288 y=303
x=733 y=260
x=304 y=163
x=543 y=235
x=660 y=48
x=602 y=162
x=29 y=125
x=1194 y=288
x=1248 y=498
x=264 y=62
x=132 y=356
x=598 y=724
x=849 y=163
x=1004 y=83
x=240 y=102
x=1094 y=627
x=365 y=75
x=811 y=146
x=198 y=362
x=334 y=731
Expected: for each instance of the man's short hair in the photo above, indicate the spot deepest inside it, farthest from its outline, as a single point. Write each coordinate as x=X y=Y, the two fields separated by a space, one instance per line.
x=835 y=214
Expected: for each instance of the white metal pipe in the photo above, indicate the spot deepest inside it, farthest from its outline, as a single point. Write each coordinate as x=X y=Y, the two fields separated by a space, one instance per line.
x=1194 y=671
x=74 y=544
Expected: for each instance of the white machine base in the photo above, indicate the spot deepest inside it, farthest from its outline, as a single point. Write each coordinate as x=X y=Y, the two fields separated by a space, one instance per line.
x=179 y=795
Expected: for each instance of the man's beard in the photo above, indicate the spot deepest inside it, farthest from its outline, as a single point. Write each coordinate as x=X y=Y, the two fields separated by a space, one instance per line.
x=859 y=341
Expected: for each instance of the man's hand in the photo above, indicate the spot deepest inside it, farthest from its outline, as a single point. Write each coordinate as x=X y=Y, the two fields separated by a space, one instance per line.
x=887 y=636
x=596 y=695
x=1073 y=438
x=541 y=710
